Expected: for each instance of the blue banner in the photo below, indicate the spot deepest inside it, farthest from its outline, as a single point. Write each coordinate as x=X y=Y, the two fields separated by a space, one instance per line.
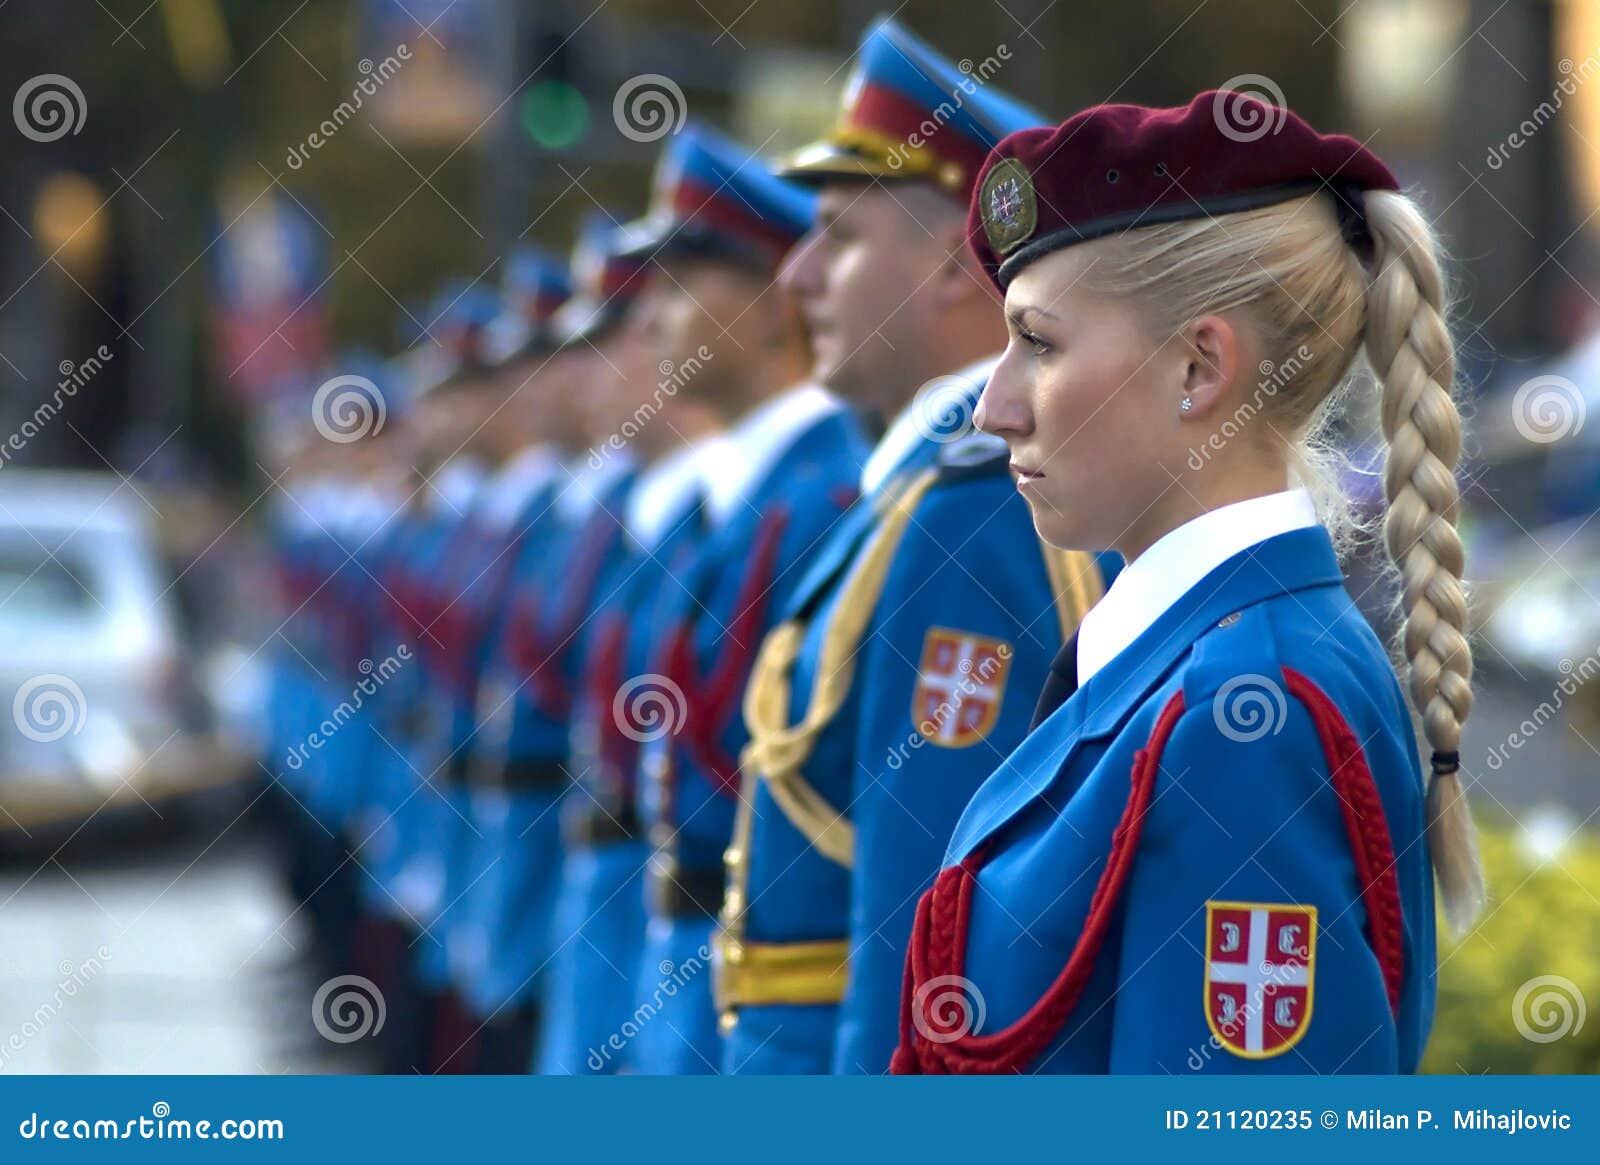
x=823 y=1120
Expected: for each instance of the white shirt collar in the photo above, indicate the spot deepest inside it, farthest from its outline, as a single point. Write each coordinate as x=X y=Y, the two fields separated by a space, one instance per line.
x=754 y=445
x=912 y=427
x=1176 y=562
x=505 y=495
x=456 y=483
x=582 y=493
x=664 y=489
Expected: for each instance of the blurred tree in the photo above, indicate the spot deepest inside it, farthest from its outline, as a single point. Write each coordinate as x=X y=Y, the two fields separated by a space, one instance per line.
x=1517 y=993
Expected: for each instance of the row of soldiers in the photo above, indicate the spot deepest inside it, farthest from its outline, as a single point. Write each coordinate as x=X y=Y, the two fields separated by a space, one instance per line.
x=636 y=672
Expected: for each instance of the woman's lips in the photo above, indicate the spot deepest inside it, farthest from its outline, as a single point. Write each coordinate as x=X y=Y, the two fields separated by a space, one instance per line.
x=1025 y=475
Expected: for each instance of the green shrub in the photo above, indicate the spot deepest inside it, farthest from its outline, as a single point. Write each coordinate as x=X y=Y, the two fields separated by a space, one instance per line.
x=1543 y=921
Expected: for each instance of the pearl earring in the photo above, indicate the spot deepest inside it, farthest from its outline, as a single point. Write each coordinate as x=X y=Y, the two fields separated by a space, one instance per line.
x=1186 y=404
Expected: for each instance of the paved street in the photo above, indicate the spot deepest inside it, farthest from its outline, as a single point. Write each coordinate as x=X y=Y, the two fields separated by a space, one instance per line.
x=171 y=958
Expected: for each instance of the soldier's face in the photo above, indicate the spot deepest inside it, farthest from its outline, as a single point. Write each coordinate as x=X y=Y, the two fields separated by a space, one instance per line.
x=622 y=380
x=1087 y=400
x=864 y=278
x=703 y=322
x=540 y=398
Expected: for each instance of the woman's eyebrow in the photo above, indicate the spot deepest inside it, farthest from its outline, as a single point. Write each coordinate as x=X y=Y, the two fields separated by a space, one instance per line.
x=1025 y=309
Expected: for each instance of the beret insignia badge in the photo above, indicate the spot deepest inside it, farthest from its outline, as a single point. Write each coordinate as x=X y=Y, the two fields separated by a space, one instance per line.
x=1009 y=207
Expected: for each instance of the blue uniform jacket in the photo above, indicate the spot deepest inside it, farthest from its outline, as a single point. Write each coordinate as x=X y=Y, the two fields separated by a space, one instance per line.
x=727 y=599
x=1208 y=858
x=525 y=702
x=598 y=921
x=967 y=596
x=468 y=623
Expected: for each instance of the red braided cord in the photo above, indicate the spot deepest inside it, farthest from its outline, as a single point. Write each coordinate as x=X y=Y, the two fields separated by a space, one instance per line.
x=945 y=926
x=1368 y=828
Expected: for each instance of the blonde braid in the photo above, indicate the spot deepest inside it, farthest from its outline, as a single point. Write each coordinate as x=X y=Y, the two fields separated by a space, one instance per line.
x=1410 y=350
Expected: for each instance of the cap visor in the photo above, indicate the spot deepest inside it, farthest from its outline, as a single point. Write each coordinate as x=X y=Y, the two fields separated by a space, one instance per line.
x=641 y=238
x=582 y=318
x=823 y=160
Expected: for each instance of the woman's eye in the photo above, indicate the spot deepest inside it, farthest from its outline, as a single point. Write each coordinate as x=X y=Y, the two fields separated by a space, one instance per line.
x=1039 y=346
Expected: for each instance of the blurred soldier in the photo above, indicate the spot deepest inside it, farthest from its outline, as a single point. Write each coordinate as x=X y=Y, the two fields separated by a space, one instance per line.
x=405 y=804
x=719 y=227
x=519 y=751
x=466 y=604
x=908 y=659
x=306 y=532
x=616 y=708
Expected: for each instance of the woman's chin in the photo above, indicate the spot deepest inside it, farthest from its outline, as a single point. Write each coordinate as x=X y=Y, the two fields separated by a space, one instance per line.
x=1059 y=529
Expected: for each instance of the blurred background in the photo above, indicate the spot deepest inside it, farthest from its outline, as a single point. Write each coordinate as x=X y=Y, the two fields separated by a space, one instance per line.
x=205 y=202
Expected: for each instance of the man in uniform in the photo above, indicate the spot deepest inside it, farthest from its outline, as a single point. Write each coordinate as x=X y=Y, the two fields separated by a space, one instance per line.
x=520 y=764
x=467 y=604
x=905 y=665
x=780 y=479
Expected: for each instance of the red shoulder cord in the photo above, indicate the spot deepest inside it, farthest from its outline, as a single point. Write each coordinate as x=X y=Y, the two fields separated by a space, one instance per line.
x=939 y=933
x=605 y=663
x=542 y=654
x=469 y=620
x=1367 y=828
x=713 y=703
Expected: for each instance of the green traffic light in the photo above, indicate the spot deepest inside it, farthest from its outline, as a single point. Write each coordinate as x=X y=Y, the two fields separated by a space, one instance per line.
x=555 y=114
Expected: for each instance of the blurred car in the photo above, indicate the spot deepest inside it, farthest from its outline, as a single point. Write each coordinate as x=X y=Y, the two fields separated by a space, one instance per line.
x=99 y=702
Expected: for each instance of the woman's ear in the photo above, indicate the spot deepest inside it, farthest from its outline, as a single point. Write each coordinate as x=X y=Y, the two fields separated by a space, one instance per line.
x=1212 y=345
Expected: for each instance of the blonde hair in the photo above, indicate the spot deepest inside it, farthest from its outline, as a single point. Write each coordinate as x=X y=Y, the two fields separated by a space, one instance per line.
x=1317 y=303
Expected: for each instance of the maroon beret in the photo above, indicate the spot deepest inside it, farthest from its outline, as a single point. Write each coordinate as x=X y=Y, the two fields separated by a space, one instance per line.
x=1114 y=167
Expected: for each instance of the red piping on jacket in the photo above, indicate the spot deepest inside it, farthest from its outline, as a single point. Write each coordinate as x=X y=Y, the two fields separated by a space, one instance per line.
x=939 y=934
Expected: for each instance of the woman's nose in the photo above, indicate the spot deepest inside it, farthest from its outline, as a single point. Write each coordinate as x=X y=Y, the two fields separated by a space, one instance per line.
x=1002 y=406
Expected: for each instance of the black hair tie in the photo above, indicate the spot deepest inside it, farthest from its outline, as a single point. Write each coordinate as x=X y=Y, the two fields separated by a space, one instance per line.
x=1349 y=202
x=1445 y=763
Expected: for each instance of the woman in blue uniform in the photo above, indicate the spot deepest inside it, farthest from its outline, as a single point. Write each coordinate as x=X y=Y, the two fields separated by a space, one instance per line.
x=1209 y=853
